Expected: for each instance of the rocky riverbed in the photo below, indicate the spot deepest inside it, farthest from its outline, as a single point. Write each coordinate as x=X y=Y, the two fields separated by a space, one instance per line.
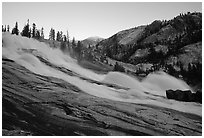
x=39 y=105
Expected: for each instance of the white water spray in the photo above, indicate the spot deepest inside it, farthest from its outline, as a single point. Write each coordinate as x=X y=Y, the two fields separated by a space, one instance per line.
x=149 y=91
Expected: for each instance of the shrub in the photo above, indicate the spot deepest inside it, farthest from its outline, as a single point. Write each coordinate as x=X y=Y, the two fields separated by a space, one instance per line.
x=118 y=67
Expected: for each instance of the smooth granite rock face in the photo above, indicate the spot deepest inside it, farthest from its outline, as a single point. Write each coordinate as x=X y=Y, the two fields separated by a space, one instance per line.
x=186 y=96
x=37 y=105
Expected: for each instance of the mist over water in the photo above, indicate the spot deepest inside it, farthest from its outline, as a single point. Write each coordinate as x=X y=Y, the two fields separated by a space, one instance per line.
x=151 y=90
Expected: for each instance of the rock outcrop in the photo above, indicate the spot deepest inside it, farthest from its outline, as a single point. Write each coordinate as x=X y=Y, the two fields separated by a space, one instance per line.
x=38 y=105
x=186 y=96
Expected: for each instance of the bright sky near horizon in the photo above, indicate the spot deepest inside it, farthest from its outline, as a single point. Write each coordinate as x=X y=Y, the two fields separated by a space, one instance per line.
x=87 y=19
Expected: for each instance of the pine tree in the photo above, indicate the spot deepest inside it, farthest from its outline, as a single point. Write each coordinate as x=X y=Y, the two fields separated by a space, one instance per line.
x=8 y=28
x=29 y=33
x=67 y=36
x=64 y=38
x=25 y=32
x=37 y=36
x=58 y=36
x=42 y=33
x=52 y=34
x=61 y=36
x=34 y=30
x=73 y=42
x=79 y=51
x=2 y=28
x=15 y=29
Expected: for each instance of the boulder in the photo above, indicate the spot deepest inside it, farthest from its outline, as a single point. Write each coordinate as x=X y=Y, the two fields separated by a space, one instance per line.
x=185 y=96
x=198 y=97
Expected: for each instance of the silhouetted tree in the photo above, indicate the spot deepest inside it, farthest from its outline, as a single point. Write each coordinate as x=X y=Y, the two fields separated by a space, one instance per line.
x=52 y=34
x=73 y=43
x=37 y=35
x=67 y=37
x=3 y=29
x=26 y=32
x=64 y=38
x=8 y=28
x=59 y=36
x=79 y=51
x=42 y=33
x=29 y=33
x=15 y=29
x=34 y=30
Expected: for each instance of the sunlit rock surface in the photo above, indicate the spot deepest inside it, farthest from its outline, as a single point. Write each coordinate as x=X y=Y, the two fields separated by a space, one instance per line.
x=45 y=92
x=39 y=105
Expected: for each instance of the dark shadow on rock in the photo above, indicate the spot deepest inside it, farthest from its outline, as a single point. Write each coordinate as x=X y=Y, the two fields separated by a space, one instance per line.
x=185 y=96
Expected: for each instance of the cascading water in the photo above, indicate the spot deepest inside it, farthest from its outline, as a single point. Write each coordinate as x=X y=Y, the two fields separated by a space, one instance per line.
x=151 y=90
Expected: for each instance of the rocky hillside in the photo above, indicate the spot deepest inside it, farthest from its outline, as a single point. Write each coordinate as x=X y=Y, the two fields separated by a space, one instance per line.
x=125 y=37
x=174 y=46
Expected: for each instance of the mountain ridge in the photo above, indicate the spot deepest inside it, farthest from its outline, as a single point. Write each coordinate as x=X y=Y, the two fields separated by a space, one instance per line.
x=163 y=44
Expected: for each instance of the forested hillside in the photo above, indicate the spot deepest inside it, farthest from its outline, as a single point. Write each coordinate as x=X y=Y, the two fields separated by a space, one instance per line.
x=174 y=46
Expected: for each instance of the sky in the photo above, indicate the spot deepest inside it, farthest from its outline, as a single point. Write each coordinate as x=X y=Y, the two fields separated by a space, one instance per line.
x=88 y=19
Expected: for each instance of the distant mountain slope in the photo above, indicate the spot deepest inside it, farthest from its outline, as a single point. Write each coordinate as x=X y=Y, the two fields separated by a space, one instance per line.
x=130 y=36
x=91 y=41
x=124 y=37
